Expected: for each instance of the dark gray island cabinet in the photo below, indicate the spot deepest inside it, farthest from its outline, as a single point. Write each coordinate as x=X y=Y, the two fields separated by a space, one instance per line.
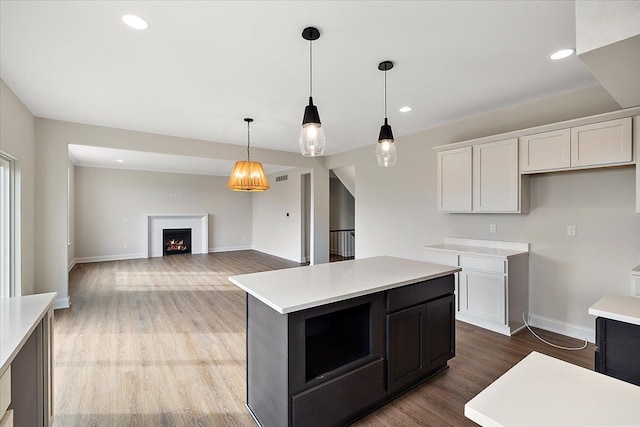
x=329 y=343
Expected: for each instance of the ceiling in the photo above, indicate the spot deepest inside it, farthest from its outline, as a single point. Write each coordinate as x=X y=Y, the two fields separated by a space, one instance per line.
x=89 y=156
x=202 y=66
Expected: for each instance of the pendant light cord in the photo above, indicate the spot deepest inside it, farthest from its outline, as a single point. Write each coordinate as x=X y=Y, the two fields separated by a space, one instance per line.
x=248 y=143
x=385 y=94
x=310 y=68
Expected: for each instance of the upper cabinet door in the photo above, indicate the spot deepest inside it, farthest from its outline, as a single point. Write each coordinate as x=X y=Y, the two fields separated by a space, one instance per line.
x=495 y=176
x=545 y=151
x=454 y=180
x=601 y=143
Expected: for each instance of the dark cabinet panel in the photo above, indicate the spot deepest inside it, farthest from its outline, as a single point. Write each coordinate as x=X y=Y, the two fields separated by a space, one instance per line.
x=411 y=295
x=405 y=347
x=440 y=330
x=338 y=400
x=618 y=353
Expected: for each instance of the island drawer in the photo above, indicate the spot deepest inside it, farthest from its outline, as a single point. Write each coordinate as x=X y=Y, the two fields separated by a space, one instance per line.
x=337 y=400
x=411 y=295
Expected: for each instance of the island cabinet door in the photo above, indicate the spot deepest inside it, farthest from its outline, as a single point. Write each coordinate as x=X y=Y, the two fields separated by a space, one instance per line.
x=440 y=331
x=405 y=347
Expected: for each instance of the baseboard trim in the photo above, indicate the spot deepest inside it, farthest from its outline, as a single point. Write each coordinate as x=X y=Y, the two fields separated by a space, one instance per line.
x=562 y=328
x=73 y=264
x=229 y=249
x=279 y=255
x=108 y=258
x=60 y=303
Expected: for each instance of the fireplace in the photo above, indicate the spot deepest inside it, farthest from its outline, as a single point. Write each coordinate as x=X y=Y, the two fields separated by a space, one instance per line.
x=176 y=241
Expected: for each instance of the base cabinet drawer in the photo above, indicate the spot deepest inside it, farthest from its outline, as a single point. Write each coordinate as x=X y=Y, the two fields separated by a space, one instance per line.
x=5 y=390
x=335 y=402
x=7 y=420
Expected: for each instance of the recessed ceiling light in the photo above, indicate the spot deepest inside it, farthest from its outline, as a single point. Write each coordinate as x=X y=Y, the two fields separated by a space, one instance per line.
x=405 y=109
x=120 y=161
x=561 y=54
x=135 y=22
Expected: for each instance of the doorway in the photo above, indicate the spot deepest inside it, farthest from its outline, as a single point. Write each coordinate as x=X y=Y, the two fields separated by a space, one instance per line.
x=342 y=232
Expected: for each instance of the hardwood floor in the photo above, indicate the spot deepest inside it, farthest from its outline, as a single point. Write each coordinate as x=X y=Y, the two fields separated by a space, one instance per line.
x=161 y=341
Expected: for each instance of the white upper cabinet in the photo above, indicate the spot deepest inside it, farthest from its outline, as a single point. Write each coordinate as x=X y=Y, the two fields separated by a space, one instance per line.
x=545 y=151
x=593 y=145
x=480 y=178
x=601 y=143
x=454 y=180
x=491 y=174
x=496 y=181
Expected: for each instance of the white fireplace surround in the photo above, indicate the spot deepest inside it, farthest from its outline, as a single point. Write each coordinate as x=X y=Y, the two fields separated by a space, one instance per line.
x=198 y=223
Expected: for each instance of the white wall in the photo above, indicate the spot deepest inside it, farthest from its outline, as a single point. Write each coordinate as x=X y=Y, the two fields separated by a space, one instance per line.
x=17 y=137
x=396 y=211
x=111 y=204
x=71 y=215
x=274 y=232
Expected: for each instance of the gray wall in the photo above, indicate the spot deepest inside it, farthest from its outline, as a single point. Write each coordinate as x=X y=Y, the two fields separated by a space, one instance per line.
x=111 y=204
x=275 y=232
x=396 y=212
x=17 y=137
x=342 y=205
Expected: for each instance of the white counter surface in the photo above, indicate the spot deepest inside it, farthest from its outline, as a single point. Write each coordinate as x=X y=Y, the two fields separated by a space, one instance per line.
x=492 y=248
x=543 y=391
x=618 y=307
x=299 y=288
x=19 y=317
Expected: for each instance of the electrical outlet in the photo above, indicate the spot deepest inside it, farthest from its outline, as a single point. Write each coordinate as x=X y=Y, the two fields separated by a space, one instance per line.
x=571 y=230
x=493 y=228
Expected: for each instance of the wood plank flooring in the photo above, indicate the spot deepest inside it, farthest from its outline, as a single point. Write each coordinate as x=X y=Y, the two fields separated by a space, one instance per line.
x=161 y=342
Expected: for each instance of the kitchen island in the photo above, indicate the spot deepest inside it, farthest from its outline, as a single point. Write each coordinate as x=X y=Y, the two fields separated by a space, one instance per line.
x=329 y=343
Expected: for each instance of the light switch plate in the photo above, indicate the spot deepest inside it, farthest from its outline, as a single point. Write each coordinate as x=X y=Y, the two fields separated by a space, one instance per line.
x=493 y=228
x=571 y=230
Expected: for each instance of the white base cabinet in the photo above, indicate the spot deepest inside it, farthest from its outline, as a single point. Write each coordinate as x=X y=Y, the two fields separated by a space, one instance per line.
x=492 y=290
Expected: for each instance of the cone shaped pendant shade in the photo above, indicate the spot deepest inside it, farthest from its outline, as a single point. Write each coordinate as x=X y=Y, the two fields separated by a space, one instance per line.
x=247 y=175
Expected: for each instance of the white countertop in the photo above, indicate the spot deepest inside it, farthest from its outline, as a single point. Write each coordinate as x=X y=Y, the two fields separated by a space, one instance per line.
x=476 y=250
x=299 y=288
x=543 y=391
x=618 y=307
x=19 y=317
x=491 y=248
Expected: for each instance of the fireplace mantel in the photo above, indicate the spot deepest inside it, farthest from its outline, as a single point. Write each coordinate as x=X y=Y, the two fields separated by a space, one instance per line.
x=198 y=222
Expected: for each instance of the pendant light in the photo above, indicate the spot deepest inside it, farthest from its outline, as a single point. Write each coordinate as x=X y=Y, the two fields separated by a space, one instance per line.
x=248 y=175
x=311 y=135
x=386 y=154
